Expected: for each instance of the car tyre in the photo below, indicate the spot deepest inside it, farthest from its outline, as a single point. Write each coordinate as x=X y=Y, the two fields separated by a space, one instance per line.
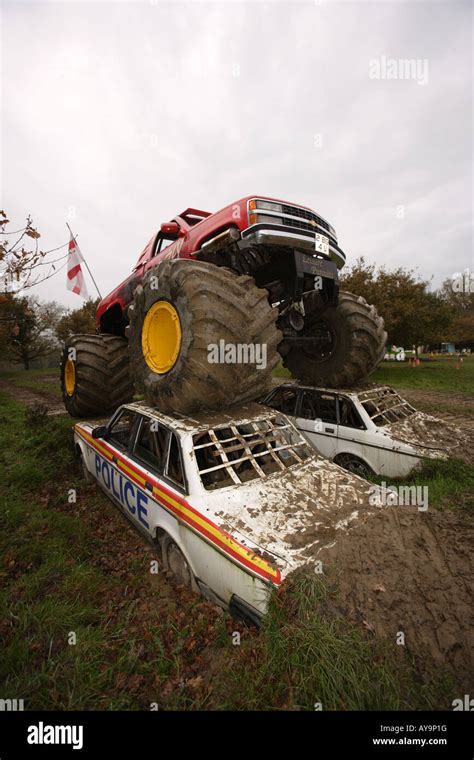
x=176 y=564
x=354 y=464
x=88 y=477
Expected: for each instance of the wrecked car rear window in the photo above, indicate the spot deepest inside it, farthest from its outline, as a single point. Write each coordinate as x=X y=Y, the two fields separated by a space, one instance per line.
x=241 y=452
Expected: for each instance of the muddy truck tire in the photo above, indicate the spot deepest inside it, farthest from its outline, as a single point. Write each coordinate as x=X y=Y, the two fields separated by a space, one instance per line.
x=356 y=348
x=95 y=374
x=183 y=316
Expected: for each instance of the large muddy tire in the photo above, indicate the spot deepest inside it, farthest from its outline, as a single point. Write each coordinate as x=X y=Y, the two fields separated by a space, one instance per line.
x=98 y=379
x=181 y=310
x=357 y=348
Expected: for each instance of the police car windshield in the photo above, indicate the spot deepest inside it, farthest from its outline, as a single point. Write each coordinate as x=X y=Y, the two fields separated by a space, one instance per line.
x=244 y=451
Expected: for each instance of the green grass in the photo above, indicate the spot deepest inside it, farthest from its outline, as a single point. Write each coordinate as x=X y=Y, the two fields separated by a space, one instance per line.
x=52 y=582
x=438 y=375
x=281 y=371
x=307 y=657
x=450 y=483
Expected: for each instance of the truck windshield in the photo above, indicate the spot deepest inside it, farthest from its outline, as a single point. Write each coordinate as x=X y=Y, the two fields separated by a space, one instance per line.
x=244 y=451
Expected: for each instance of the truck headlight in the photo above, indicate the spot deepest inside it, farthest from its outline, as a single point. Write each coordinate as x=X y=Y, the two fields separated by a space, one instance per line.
x=256 y=207
x=269 y=206
x=265 y=219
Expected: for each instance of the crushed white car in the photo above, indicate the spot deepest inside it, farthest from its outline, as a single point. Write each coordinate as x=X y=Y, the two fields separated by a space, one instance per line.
x=368 y=432
x=232 y=502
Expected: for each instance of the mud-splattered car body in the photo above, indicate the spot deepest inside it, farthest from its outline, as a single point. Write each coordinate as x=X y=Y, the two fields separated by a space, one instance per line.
x=369 y=431
x=242 y=497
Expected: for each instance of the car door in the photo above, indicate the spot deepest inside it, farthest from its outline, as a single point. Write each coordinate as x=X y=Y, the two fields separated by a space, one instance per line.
x=119 y=436
x=351 y=427
x=162 y=241
x=156 y=454
x=317 y=419
x=352 y=434
x=157 y=451
x=121 y=429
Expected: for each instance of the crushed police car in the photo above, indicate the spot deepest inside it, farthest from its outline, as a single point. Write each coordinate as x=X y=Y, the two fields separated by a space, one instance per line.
x=234 y=502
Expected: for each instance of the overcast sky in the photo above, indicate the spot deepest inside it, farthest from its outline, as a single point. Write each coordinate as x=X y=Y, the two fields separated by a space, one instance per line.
x=118 y=115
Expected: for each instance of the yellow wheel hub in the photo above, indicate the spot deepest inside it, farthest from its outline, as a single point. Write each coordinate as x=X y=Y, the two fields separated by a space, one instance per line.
x=161 y=337
x=70 y=377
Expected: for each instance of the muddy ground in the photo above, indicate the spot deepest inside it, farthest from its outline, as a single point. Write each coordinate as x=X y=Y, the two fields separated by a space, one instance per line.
x=410 y=572
x=400 y=570
x=45 y=394
x=460 y=415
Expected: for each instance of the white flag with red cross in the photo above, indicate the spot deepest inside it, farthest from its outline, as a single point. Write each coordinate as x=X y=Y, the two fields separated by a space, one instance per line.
x=75 y=278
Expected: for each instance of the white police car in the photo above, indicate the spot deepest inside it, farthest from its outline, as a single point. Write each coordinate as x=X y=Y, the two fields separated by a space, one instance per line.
x=233 y=502
x=368 y=431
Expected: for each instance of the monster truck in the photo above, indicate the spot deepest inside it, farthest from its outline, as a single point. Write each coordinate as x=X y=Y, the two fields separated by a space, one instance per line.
x=208 y=292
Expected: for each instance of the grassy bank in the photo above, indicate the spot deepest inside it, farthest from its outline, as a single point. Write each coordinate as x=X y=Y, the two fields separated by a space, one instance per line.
x=78 y=568
x=308 y=657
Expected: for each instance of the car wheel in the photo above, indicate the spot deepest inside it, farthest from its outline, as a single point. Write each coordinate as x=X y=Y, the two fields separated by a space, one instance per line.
x=355 y=465
x=88 y=477
x=175 y=563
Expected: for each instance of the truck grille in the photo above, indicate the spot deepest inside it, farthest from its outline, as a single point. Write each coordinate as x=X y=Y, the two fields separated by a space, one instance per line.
x=303 y=214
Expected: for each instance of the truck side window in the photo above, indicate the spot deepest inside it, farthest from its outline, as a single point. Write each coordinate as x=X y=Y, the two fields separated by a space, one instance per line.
x=174 y=469
x=121 y=431
x=162 y=242
x=348 y=415
x=151 y=445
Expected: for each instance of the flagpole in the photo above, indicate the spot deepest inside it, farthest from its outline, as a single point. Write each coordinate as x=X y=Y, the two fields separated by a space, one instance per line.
x=85 y=262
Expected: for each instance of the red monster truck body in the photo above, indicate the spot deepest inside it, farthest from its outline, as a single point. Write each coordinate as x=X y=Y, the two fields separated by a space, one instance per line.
x=235 y=229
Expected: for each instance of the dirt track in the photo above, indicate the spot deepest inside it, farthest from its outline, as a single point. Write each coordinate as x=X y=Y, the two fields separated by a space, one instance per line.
x=33 y=396
x=428 y=400
x=404 y=570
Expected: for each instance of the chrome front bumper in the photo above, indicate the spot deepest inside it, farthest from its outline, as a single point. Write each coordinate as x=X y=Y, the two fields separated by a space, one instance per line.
x=265 y=234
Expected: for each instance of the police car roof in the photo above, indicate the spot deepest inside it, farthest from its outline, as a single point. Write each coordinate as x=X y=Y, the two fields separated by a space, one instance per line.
x=204 y=420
